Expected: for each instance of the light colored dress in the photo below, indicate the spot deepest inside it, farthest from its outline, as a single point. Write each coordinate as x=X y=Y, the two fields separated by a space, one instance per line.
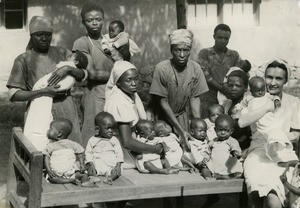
x=174 y=155
x=221 y=161
x=63 y=158
x=199 y=151
x=261 y=173
x=104 y=153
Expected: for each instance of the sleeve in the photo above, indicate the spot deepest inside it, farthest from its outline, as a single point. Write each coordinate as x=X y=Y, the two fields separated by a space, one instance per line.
x=18 y=75
x=89 y=151
x=77 y=148
x=295 y=123
x=119 y=110
x=234 y=145
x=159 y=83
x=203 y=60
x=199 y=85
x=118 y=150
x=122 y=40
x=81 y=45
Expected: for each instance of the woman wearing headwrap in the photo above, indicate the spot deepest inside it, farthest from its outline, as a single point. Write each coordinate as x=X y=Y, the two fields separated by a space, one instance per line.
x=177 y=84
x=124 y=104
x=41 y=59
x=262 y=173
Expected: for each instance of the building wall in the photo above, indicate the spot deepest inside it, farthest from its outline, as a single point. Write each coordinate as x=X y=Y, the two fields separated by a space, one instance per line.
x=150 y=21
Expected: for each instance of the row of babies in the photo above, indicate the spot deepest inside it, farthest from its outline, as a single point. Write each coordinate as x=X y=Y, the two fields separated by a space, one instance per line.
x=214 y=157
x=68 y=162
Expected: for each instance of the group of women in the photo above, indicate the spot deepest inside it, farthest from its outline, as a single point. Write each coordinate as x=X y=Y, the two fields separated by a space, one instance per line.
x=261 y=174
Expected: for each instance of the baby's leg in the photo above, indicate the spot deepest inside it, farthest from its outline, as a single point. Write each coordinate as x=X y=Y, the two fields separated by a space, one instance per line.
x=84 y=179
x=153 y=169
x=60 y=180
x=187 y=163
x=206 y=173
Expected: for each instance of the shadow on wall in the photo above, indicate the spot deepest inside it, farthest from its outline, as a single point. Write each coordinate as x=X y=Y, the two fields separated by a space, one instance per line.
x=147 y=22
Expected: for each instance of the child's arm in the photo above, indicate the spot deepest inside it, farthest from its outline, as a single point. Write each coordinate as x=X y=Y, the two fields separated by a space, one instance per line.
x=289 y=186
x=165 y=147
x=90 y=167
x=80 y=157
x=47 y=164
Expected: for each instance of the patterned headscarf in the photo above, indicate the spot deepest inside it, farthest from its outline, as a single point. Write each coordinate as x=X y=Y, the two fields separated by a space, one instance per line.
x=181 y=36
x=39 y=23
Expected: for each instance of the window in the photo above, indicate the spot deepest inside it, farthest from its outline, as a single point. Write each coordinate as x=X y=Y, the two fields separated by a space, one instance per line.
x=13 y=13
x=232 y=12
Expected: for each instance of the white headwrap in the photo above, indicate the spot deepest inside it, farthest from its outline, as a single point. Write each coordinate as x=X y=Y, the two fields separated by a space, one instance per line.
x=181 y=36
x=120 y=67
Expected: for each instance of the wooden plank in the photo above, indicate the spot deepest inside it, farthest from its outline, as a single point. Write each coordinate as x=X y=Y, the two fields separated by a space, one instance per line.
x=213 y=187
x=51 y=188
x=35 y=188
x=15 y=200
x=23 y=140
x=20 y=165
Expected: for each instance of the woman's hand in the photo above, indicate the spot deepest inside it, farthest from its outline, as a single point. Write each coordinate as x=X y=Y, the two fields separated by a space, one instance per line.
x=50 y=90
x=159 y=149
x=58 y=75
x=184 y=138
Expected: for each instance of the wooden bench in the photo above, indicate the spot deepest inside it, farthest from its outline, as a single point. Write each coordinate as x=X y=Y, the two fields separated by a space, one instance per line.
x=26 y=164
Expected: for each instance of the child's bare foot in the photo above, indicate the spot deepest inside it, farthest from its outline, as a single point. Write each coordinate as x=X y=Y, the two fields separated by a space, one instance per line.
x=221 y=177
x=108 y=180
x=206 y=174
x=172 y=171
x=236 y=175
x=94 y=179
x=88 y=184
x=75 y=182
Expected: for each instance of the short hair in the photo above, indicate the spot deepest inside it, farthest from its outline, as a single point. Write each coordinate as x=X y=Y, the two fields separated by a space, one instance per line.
x=158 y=124
x=254 y=79
x=240 y=74
x=66 y=126
x=276 y=64
x=220 y=107
x=222 y=27
x=194 y=122
x=119 y=23
x=141 y=124
x=90 y=6
x=82 y=60
x=245 y=65
x=101 y=117
x=224 y=117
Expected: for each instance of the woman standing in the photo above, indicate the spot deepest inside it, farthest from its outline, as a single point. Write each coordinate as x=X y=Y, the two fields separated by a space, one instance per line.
x=261 y=173
x=39 y=60
x=99 y=67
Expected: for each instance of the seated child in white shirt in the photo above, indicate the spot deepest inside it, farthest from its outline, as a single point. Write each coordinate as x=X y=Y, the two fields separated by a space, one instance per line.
x=150 y=162
x=116 y=38
x=103 y=153
x=60 y=156
x=213 y=112
x=200 y=152
x=225 y=151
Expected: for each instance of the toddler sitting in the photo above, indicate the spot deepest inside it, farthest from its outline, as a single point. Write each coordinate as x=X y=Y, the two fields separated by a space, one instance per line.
x=225 y=151
x=103 y=153
x=116 y=38
x=150 y=162
x=200 y=153
x=60 y=156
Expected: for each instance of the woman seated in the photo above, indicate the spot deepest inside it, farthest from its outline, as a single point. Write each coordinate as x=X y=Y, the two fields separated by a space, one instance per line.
x=262 y=173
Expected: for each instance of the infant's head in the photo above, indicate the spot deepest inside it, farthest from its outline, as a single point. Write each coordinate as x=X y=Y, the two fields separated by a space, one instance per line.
x=79 y=59
x=145 y=129
x=59 y=129
x=224 y=127
x=257 y=86
x=198 y=128
x=115 y=27
x=214 y=111
x=245 y=65
x=162 y=129
x=105 y=125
